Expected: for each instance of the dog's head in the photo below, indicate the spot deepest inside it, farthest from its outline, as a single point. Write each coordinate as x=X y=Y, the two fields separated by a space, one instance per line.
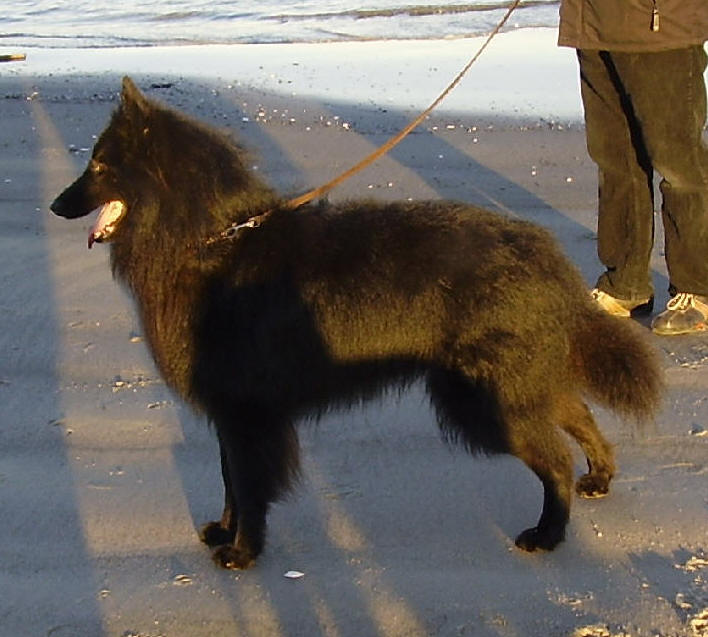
x=153 y=167
x=107 y=183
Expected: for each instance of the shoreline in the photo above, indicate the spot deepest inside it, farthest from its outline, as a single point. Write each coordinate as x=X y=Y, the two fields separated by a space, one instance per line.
x=522 y=74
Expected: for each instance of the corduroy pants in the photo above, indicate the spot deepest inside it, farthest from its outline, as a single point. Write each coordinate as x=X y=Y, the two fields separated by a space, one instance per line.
x=645 y=112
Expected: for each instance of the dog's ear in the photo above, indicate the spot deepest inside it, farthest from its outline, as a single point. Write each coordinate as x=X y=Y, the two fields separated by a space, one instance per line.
x=132 y=100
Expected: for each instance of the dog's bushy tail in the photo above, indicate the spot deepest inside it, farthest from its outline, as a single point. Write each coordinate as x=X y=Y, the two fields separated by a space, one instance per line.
x=616 y=365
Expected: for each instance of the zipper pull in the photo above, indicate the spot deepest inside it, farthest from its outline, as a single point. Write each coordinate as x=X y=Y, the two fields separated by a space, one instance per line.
x=655 y=18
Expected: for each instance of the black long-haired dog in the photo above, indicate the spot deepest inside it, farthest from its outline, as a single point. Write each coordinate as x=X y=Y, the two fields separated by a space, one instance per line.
x=320 y=307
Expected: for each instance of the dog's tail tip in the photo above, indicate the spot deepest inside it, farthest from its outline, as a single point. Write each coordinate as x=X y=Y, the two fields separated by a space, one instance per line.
x=618 y=366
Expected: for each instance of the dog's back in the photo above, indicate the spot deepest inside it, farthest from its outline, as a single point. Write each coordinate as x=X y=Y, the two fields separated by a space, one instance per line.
x=443 y=284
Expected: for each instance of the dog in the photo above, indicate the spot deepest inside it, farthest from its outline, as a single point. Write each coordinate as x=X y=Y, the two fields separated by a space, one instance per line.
x=260 y=316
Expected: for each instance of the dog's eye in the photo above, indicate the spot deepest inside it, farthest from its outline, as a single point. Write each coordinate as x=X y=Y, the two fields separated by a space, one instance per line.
x=97 y=167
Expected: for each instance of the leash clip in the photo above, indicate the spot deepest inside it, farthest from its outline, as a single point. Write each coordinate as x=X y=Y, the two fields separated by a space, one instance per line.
x=231 y=232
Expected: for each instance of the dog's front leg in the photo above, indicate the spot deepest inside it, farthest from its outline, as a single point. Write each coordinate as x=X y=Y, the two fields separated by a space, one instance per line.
x=260 y=459
x=249 y=541
x=223 y=531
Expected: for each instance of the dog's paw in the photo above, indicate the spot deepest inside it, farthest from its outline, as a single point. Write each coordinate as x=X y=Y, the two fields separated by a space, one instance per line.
x=213 y=534
x=535 y=539
x=233 y=558
x=592 y=486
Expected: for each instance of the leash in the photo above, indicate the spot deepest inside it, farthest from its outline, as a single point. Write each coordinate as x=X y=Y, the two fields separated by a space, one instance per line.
x=301 y=200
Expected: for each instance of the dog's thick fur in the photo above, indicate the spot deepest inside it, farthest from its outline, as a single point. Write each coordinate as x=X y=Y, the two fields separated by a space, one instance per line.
x=320 y=307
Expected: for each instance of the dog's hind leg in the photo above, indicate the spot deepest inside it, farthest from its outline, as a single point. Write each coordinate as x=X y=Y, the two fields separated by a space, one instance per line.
x=472 y=414
x=539 y=445
x=260 y=462
x=574 y=417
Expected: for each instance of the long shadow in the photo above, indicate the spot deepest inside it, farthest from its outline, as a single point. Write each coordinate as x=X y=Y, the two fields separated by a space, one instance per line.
x=48 y=584
x=430 y=156
x=453 y=173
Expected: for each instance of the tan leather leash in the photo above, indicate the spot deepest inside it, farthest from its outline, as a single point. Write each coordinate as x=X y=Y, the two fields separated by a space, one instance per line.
x=382 y=150
x=301 y=200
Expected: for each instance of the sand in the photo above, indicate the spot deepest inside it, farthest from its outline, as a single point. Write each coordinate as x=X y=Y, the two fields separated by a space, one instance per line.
x=105 y=475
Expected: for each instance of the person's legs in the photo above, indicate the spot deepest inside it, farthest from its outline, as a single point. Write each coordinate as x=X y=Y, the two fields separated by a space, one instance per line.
x=625 y=194
x=668 y=97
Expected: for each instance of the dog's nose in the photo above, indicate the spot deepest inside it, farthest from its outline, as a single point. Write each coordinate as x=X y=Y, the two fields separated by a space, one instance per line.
x=58 y=207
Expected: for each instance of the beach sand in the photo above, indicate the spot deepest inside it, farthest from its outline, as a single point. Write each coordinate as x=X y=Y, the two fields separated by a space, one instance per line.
x=105 y=475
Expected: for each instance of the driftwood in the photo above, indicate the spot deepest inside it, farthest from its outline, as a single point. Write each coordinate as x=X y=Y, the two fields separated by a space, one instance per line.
x=13 y=57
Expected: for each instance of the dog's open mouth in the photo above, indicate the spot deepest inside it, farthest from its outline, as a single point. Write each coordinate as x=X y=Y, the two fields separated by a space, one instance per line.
x=107 y=221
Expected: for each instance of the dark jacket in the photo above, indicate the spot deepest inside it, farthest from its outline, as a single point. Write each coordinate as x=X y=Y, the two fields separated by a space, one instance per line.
x=626 y=25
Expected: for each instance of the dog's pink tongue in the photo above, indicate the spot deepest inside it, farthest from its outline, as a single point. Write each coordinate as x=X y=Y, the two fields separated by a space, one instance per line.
x=105 y=224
